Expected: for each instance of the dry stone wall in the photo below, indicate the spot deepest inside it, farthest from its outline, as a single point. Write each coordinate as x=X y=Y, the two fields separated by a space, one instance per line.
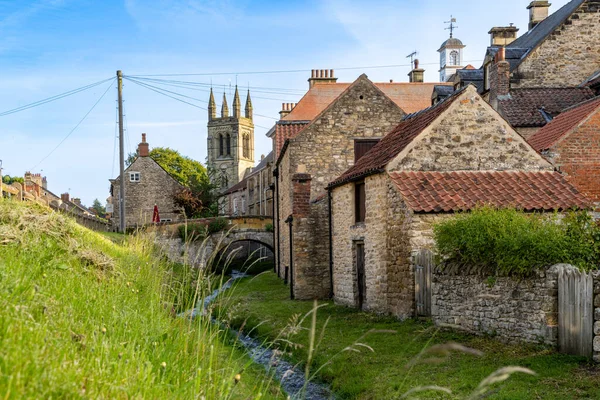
x=521 y=310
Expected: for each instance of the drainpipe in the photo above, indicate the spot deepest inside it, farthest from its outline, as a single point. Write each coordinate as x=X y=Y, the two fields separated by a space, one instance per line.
x=330 y=245
x=276 y=175
x=290 y=221
x=272 y=187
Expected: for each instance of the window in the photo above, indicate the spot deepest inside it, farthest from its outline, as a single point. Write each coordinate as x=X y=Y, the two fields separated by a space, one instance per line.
x=486 y=76
x=166 y=220
x=134 y=177
x=246 y=146
x=454 y=57
x=359 y=202
x=243 y=205
x=228 y=144
x=362 y=146
x=221 y=145
x=235 y=206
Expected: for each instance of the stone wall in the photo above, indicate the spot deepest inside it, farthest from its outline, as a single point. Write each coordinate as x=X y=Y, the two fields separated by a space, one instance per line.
x=470 y=136
x=568 y=56
x=515 y=310
x=156 y=186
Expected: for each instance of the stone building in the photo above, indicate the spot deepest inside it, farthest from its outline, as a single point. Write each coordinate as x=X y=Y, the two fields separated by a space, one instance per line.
x=571 y=142
x=448 y=158
x=253 y=195
x=146 y=184
x=558 y=50
x=316 y=140
x=230 y=141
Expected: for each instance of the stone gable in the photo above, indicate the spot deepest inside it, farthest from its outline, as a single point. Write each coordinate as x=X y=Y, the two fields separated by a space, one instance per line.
x=567 y=56
x=469 y=136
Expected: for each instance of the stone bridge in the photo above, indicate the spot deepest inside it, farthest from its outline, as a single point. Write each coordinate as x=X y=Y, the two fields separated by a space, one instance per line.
x=238 y=229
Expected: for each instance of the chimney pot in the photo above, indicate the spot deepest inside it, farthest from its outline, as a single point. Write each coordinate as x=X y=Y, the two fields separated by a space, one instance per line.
x=331 y=73
x=538 y=11
x=326 y=73
x=143 y=138
x=143 y=148
x=416 y=64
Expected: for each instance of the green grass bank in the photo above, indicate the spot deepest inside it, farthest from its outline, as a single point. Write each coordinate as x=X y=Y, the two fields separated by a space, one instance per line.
x=84 y=315
x=365 y=356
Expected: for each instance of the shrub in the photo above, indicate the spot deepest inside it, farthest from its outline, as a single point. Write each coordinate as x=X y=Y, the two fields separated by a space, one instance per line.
x=269 y=227
x=217 y=225
x=511 y=242
x=193 y=232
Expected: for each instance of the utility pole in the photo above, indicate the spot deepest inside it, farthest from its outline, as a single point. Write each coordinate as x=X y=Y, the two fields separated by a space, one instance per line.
x=121 y=154
x=1 y=195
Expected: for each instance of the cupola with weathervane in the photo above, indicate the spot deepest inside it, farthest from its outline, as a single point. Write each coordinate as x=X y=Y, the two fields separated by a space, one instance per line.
x=451 y=53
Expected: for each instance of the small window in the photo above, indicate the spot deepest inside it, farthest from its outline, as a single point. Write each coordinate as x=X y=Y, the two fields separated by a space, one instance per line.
x=361 y=147
x=235 y=206
x=166 y=220
x=134 y=177
x=454 y=58
x=359 y=202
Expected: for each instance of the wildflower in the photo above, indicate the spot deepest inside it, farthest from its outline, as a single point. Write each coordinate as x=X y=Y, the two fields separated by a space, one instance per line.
x=103 y=330
x=163 y=365
x=237 y=378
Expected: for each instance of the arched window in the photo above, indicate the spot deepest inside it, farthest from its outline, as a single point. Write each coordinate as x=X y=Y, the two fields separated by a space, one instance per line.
x=224 y=180
x=454 y=57
x=221 y=145
x=246 y=146
x=228 y=144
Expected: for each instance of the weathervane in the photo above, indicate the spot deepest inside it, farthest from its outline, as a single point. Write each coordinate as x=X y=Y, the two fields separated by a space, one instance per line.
x=452 y=27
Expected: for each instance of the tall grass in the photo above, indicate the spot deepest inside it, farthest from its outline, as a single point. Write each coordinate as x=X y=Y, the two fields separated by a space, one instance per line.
x=81 y=316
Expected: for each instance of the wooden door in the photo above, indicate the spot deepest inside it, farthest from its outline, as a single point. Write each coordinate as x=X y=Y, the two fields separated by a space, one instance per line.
x=424 y=264
x=360 y=275
x=575 y=312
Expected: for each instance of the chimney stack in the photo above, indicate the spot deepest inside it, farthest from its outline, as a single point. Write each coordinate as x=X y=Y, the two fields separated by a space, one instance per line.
x=538 y=11
x=417 y=74
x=499 y=78
x=77 y=200
x=286 y=108
x=143 y=148
x=501 y=36
x=321 y=76
x=64 y=197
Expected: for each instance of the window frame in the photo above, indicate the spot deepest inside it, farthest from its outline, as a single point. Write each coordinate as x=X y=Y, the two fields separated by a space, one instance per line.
x=357 y=142
x=360 y=203
x=133 y=174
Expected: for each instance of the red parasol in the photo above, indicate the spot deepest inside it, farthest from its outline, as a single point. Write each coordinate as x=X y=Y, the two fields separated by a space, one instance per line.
x=155 y=216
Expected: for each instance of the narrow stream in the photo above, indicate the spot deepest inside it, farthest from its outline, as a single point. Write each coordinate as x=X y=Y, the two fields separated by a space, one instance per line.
x=289 y=377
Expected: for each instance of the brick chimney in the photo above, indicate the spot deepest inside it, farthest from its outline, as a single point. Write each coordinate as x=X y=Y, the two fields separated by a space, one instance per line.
x=417 y=74
x=538 y=11
x=286 y=108
x=77 y=200
x=301 y=194
x=501 y=36
x=321 y=76
x=143 y=149
x=499 y=78
x=64 y=197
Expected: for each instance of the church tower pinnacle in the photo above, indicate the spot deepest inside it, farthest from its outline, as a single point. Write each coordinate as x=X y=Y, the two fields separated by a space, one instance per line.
x=224 y=107
x=237 y=106
x=248 y=106
x=212 y=106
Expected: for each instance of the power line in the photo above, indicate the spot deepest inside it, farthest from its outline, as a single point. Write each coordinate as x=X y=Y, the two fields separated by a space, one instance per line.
x=290 y=70
x=53 y=98
x=76 y=126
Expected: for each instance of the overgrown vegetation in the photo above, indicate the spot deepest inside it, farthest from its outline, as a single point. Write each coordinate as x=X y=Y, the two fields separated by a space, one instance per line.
x=84 y=317
x=367 y=356
x=269 y=227
x=511 y=242
x=198 y=231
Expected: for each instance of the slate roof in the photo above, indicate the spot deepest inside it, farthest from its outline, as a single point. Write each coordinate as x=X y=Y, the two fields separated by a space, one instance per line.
x=522 y=107
x=241 y=185
x=410 y=97
x=443 y=90
x=395 y=141
x=534 y=37
x=563 y=124
x=464 y=190
x=593 y=80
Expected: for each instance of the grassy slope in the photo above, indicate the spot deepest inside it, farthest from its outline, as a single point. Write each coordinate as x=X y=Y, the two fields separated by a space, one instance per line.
x=81 y=316
x=384 y=373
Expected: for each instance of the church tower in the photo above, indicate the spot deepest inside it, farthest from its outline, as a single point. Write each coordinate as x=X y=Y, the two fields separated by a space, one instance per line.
x=230 y=141
x=451 y=54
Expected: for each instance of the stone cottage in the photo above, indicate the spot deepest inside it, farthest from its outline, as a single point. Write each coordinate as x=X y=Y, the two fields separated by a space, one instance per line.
x=448 y=158
x=571 y=142
x=146 y=184
x=319 y=138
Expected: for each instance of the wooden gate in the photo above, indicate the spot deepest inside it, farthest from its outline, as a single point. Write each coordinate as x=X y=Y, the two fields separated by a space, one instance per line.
x=424 y=265
x=575 y=312
x=360 y=274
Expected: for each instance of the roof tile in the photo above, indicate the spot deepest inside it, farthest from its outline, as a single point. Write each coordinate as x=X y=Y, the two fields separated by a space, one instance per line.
x=461 y=191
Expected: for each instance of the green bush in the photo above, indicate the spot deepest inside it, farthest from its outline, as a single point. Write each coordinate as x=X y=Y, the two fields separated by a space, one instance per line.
x=511 y=242
x=217 y=225
x=269 y=227
x=193 y=232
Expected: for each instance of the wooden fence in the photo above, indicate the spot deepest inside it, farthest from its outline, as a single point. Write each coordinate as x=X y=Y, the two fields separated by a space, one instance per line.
x=575 y=312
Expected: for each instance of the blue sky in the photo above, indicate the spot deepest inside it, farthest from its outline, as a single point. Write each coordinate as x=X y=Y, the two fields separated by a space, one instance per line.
x=50 y=46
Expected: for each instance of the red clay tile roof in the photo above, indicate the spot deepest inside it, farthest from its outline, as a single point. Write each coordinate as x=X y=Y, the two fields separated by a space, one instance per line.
x=462 y=191
x=522 y=109
x=563 y=124
x=410 y=97
x=286 y=130
x=395 y=141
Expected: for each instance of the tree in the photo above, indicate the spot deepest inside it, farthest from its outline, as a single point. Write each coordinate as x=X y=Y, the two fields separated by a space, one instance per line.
x=7 y=179
x=98 y=208
x=198 y=200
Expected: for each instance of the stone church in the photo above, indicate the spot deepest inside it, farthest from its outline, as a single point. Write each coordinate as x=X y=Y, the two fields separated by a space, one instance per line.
x=230 y=141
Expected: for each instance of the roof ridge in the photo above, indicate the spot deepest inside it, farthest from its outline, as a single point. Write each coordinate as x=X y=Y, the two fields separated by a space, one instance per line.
x=583 y=103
